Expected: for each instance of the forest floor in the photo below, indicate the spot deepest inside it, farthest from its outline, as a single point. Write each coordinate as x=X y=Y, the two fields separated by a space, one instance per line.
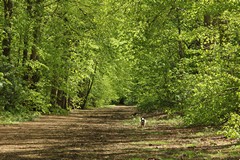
x=112 y=134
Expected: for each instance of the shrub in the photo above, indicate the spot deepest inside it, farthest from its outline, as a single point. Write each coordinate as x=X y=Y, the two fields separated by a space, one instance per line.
x=232 y=127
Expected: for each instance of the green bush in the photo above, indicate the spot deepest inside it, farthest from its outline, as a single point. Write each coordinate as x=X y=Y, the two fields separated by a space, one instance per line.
x=20 y=116
x=232 y=127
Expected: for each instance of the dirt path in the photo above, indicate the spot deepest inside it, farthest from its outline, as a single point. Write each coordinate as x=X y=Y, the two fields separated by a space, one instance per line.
x=102 y=134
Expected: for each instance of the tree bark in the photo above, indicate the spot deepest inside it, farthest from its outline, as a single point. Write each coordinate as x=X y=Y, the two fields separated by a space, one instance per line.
x=180 y=43
x=34 y=10
x=207 y=23
x=6 y=42
x=85 y=100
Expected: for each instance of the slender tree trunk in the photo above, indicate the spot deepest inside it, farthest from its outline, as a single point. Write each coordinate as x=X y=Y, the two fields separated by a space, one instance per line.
x=26 y=34
x=34 y=9
x=53 y=96
x=91 y=82
x=58 y=97
x=207 y=20
x=180 y=43
x=6 y=42
x=61 y=99
x=9 y=95
x=207 y=23
x=25 y=50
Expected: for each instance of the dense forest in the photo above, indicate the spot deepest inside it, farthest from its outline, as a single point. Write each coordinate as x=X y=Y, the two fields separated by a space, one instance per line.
x=175 y=56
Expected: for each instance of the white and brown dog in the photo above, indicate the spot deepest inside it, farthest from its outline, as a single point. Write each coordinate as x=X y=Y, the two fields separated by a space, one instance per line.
x=143 y=122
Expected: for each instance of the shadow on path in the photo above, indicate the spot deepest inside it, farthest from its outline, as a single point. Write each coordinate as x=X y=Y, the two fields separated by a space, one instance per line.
x=95 y=135
x=88 y=134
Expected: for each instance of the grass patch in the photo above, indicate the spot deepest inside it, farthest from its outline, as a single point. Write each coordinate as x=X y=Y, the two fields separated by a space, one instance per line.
x=205 y=134
x=132 y=122
x=192 y=155
x=152 y=121
x=191 y=145
x=58 y=111
x=172 y=121
x=157 y=133
x=11 y=118
x=232 y=152
x=149 y=143
x=200 y=134
x=225 y=155
x=100 y=107
x=235 y=147
x=135 y=121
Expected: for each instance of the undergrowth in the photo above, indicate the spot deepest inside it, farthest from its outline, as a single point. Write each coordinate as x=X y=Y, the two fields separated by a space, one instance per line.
x=14 y=117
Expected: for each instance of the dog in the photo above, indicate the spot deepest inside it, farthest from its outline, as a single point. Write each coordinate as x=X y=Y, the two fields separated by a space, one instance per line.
x=143 y=122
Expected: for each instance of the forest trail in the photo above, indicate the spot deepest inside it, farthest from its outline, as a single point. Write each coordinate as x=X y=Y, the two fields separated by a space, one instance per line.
x=108 y=134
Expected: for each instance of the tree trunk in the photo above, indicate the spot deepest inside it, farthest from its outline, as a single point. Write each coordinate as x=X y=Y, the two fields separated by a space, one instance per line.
x=6 y=42
x=207 y=20
x=180 y=43
x=53 y=96
x=58 y=97
x=61 y=99
x=34 y=9
x=83 y=106
x=207 y=23
x=26 y=34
